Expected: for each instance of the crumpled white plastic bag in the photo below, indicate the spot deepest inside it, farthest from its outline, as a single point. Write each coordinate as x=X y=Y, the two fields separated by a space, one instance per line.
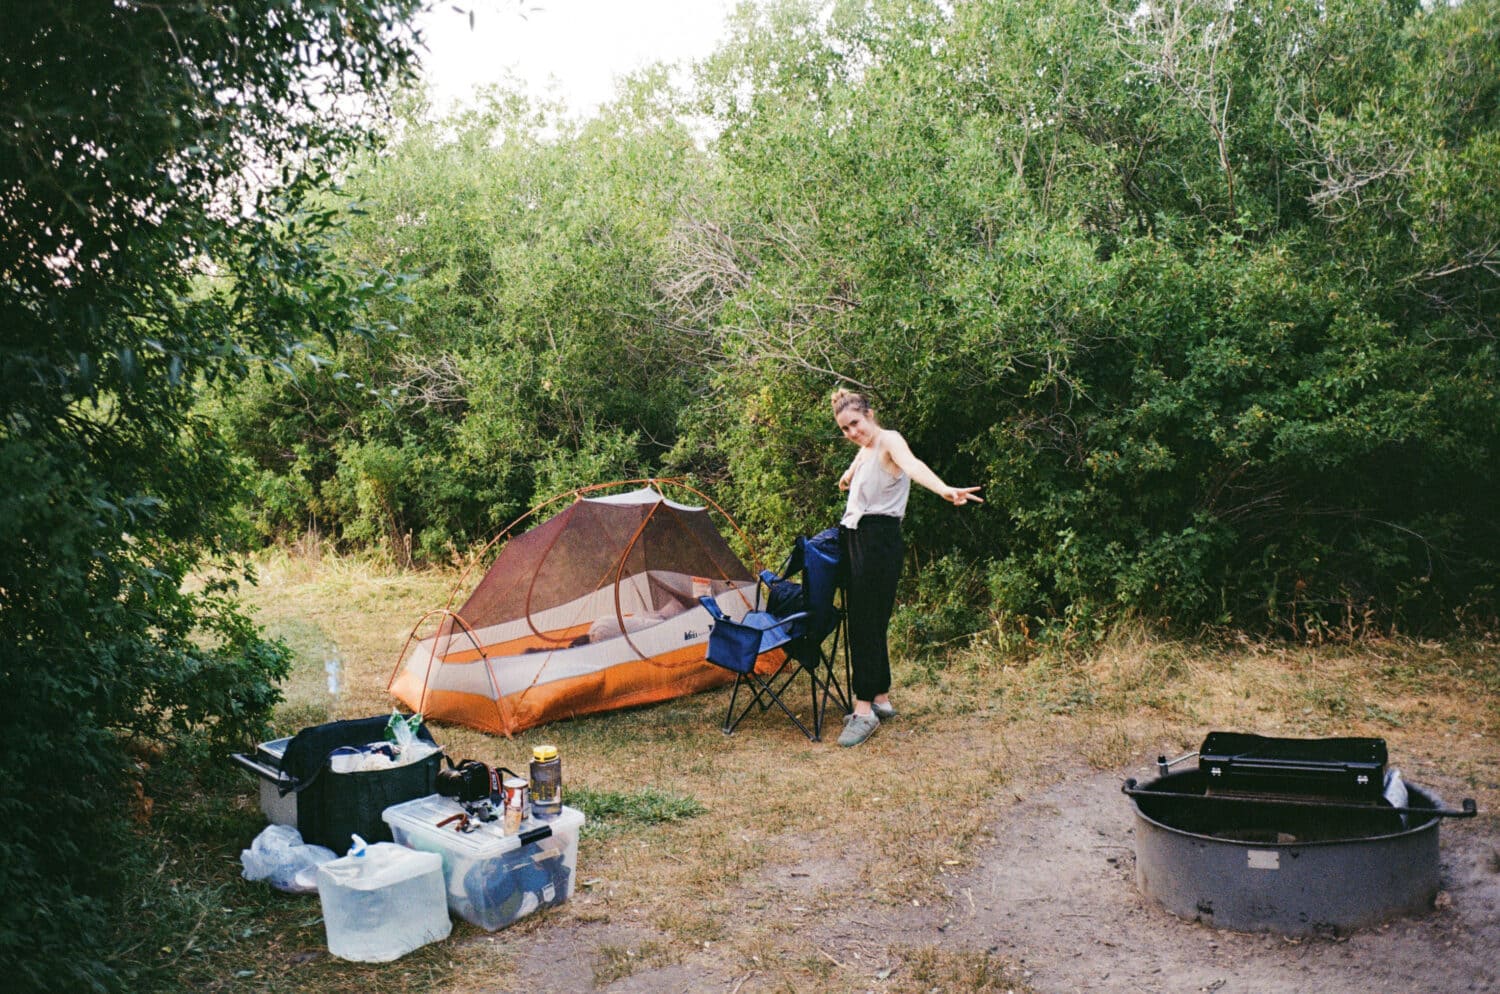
x=279 y=855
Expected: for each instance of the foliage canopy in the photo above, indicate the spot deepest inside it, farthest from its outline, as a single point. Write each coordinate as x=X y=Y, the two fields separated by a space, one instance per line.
x=159 y=236
x=1202 y=293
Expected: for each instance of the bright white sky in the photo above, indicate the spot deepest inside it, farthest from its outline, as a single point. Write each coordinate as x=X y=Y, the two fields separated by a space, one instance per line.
x=583 y=44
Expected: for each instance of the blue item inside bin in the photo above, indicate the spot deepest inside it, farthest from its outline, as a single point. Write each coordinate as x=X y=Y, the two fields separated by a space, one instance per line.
x=507 y=888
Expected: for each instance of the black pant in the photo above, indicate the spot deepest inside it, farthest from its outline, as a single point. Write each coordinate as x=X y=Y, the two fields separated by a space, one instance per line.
x=872 y=554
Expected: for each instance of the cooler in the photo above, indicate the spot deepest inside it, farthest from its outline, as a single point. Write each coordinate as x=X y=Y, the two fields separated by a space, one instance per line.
x=278 y=807
x=493 y=879
x=299 y=788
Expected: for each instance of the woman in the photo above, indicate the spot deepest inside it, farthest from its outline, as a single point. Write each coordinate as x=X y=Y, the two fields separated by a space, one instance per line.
x=879 y=481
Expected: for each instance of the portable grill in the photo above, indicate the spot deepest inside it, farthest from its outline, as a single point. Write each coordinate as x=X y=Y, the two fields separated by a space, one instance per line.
x=1342 y=769
x=1286 y=835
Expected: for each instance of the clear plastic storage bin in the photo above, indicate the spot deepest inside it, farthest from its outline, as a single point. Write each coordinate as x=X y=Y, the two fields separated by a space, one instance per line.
x=383 y=903
x=493 y=879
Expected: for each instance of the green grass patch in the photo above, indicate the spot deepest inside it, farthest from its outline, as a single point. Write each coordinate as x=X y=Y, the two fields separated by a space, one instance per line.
x=612 y=811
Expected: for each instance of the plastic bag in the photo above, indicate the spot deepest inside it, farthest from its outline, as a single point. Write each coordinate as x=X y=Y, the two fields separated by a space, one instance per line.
x=1395 y=789
x=362 y=759
x=1395 y=793
x=403 y=732
x=279 y=855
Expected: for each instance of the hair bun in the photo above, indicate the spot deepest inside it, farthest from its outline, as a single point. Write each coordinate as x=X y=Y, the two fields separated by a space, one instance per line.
x=843 y=399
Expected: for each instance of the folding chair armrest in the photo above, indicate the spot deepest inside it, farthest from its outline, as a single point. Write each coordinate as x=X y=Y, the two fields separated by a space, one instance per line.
x=765 y=625
x=712 y=607
x=767 y=577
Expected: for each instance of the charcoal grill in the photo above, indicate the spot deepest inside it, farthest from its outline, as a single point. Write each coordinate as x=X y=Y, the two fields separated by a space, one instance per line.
x=1286 y=835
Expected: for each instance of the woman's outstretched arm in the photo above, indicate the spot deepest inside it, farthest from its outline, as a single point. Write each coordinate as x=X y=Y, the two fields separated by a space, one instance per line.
x=901 y=454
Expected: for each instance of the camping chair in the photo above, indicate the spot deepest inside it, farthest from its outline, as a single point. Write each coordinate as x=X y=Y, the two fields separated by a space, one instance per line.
x=799 y=614
x=738 y=645
x=815 y=566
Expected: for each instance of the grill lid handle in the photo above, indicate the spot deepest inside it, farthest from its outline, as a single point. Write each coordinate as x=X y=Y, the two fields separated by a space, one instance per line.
x=1164 y=765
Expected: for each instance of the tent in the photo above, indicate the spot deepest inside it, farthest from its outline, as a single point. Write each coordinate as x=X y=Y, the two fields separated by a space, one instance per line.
x=594 y=609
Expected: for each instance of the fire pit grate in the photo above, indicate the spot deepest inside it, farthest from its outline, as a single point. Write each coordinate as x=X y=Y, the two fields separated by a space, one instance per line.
x=1344 y=769
x=1312 y=851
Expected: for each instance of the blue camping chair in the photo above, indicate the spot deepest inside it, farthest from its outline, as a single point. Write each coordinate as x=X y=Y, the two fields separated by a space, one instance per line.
x=800 y=612
x=736 y=645
x=816 y=565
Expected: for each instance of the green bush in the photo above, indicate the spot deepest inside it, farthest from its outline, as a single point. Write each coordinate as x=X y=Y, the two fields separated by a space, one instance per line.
x=140 y=269
x=946 y=606
x=1203 y=302
x=1208 y=365
x=533 y=358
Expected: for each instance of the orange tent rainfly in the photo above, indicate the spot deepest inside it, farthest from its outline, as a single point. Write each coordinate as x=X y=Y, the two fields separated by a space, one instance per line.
x=594 y=609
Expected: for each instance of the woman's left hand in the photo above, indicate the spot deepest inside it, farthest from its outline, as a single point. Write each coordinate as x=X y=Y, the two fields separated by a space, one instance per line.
x=959 y=496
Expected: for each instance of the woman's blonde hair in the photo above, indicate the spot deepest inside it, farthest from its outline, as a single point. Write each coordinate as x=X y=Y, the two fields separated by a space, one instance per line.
x=843 y=399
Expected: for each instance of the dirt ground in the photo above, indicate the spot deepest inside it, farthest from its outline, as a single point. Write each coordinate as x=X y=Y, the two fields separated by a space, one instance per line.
x=1053 y=894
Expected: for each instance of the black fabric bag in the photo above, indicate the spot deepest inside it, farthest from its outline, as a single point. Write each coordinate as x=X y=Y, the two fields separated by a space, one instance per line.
x=333 y=807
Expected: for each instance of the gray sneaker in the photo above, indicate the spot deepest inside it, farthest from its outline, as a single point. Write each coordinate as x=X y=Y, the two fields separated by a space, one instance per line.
x=883 y=711
x=857 y=728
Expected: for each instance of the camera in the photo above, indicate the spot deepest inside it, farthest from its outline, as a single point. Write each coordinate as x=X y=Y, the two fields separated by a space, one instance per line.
x=467 y=783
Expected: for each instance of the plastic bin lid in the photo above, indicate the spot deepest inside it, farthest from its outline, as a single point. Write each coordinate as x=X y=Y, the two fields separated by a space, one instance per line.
x=418 y=821
x=383 y=865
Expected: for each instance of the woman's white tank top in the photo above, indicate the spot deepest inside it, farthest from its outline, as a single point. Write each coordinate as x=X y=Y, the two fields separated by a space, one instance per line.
x=874 y=491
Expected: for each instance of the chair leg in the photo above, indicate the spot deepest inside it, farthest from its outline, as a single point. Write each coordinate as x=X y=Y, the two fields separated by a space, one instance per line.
x=817 y=712
x=844 y=694
x=729 y=715
x=748 y=681
x=827 y=670
x=824 y=679
x=766 y=693
x=788 y=711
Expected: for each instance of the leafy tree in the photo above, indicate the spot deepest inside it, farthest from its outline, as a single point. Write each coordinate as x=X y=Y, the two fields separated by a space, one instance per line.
x=1194 y=287
x=160 y=235
x=534 y=356
x=1201 y=291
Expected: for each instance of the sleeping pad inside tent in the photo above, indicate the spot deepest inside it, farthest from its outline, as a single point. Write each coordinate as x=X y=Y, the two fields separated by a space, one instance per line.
x=592 y=610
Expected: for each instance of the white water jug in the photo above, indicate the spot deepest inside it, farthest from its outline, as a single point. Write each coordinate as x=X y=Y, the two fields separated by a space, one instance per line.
x=382 y=901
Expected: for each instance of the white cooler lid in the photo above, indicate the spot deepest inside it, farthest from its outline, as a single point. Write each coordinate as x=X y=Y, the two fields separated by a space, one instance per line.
x=418 y=821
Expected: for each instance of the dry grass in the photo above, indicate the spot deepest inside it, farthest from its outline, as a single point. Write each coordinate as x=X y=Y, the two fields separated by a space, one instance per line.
x=793 y=831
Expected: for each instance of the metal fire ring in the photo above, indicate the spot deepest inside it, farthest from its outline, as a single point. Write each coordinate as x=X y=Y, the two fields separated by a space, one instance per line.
x=1297 y=869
